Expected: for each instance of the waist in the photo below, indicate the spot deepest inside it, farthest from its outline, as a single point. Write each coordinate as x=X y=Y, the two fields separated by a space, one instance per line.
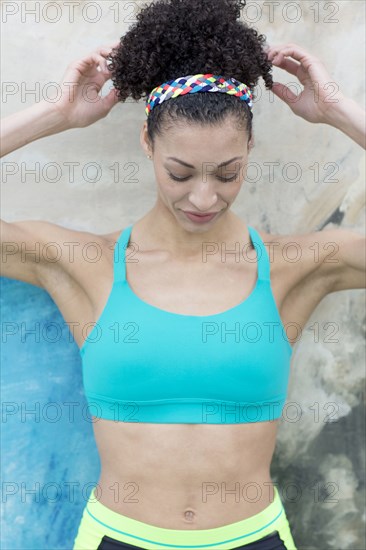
x=210 y=503
x=98 y=517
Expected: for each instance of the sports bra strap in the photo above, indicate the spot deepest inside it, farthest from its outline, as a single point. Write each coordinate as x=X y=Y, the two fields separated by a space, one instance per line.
x=120 y=255
x=262 y=255
x=263 y=264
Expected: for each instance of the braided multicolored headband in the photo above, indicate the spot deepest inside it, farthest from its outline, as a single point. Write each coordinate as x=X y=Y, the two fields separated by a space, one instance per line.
x=198 y=83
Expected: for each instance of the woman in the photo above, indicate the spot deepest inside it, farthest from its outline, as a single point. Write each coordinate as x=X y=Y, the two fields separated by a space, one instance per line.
x=189 y=384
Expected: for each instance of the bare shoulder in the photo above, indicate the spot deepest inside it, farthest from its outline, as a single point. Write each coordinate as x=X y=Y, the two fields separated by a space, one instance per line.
x=300 y=257
x=32 y=250
x=79 y=255
x=299 y=248
x=333 y=258
x=86 y=257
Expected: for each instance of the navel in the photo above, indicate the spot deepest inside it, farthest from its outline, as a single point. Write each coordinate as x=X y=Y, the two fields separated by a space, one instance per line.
x=189 y=515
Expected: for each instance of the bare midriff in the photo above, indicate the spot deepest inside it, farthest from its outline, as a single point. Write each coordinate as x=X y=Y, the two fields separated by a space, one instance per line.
x=185 y=476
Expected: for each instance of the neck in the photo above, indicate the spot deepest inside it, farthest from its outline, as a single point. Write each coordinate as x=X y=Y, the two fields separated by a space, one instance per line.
x=160 y=226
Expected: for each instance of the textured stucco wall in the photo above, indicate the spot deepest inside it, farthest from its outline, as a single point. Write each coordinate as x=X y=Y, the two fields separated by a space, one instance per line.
x=319 y=461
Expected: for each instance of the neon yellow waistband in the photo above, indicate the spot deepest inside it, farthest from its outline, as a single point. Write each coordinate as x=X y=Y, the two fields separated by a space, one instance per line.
x=98 y=520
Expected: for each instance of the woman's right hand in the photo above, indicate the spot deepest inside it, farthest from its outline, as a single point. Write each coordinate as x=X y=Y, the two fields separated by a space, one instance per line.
x=80 y=103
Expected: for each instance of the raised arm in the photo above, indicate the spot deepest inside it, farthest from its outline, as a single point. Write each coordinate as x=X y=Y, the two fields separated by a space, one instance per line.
x=321 y=100
x=76 y=108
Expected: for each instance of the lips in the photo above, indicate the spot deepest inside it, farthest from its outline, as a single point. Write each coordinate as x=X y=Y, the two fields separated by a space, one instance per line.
x=200 y=218
x=200 y=215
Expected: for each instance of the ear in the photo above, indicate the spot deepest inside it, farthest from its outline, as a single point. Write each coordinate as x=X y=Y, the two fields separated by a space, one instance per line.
x=251 y=143
x=144 y=140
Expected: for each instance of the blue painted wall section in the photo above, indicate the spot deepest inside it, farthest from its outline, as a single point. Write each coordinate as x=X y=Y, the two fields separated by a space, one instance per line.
x=49 y=459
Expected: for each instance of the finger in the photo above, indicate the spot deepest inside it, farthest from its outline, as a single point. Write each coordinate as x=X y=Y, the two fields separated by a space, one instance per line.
x=272 y=51
x=114 y=44
x=109 y=101
x=93 y=59
x=101 y=61
x=281 y=50
x=287 y=64
x=107 y=48
x=296 y=52
x=276 y=48
x=87 y=63
x=284 y=93
x=105 y=53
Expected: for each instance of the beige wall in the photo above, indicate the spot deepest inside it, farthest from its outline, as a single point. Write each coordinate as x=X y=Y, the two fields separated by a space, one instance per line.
x=324 y=372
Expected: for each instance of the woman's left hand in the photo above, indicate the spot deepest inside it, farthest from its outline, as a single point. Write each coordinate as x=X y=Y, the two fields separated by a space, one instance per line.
x=320 y=95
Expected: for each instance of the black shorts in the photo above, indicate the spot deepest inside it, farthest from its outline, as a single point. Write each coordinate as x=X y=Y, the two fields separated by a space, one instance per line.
x=270 y=542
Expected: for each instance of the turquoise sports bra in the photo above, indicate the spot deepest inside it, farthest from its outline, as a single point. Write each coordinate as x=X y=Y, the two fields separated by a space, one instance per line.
x=144 y=364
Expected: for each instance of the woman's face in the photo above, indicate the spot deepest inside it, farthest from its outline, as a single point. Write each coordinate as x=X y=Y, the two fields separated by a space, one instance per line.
x=199 y=171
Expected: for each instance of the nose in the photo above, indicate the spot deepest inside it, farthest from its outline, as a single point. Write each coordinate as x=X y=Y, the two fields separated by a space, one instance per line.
x=203 y=197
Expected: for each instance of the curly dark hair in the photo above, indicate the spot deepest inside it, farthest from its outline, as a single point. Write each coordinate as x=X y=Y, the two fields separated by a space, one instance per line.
x=173 y=38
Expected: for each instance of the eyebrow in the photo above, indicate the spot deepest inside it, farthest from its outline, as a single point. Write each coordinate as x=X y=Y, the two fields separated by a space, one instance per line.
x=191 y=166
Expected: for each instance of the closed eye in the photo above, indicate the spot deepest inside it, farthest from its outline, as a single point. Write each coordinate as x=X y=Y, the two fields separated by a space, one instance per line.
x=187 y=178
